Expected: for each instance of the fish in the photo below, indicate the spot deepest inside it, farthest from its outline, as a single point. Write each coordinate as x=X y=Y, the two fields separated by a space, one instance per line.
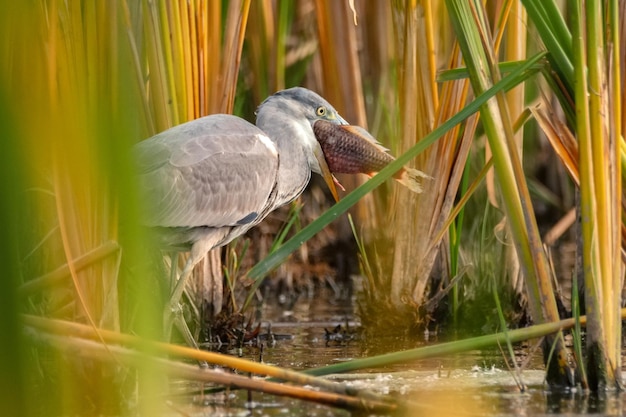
x=350 y=149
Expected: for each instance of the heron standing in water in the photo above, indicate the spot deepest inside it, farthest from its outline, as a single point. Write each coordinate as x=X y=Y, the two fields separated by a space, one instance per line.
x=208 y=181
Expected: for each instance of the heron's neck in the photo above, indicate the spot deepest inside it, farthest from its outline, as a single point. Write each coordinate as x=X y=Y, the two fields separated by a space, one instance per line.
x=294 y=169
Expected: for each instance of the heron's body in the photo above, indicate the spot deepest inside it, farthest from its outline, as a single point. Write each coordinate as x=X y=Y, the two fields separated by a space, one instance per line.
x=212 y=178
x=208 y=181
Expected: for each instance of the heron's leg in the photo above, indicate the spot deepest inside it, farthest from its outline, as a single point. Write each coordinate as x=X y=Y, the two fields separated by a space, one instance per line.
x=181 y=325
x=178 y=320
x=202 y=244
x=169 y=313
x=173 y=310
x=173 y=271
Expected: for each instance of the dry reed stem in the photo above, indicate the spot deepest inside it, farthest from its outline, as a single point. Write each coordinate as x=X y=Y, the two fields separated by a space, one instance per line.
x=560 y=137
x=129 y=357
x=56 y=277
x=72 y=329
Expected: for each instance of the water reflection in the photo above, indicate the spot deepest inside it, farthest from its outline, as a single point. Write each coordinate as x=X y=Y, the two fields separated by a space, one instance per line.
x=609 y=404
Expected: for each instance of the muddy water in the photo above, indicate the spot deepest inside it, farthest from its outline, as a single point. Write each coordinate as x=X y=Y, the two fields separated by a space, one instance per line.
x=476 y=383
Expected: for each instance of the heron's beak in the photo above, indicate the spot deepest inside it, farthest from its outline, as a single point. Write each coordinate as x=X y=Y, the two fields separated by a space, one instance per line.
x=328 y=176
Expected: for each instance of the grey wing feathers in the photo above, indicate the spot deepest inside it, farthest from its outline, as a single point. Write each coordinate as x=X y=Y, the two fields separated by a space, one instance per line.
x=215 y=171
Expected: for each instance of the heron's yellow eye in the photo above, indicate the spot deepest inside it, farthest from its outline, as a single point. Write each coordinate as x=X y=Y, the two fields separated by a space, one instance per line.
x=321 y=111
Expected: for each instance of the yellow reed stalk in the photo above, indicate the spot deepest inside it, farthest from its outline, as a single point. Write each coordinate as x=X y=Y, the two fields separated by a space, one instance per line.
x=76 y=330
x=600 y=199
x=340 y=65
x=615 y=67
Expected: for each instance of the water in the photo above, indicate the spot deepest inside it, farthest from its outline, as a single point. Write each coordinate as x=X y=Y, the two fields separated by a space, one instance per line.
x=475 y=383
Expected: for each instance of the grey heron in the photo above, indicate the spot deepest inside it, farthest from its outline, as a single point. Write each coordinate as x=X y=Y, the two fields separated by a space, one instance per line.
x=208 y=181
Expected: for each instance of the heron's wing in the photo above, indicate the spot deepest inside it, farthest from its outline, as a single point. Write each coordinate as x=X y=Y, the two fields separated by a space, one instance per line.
x=215 y=171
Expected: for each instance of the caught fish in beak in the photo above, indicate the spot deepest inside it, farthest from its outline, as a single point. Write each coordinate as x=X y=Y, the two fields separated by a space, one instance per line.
x=351 y=149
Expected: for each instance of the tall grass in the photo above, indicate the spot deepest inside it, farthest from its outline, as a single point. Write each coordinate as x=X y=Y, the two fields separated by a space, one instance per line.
x=191 y=57
x=587 y=78
x=64 y=83
x=473 y=32
x=13 y=378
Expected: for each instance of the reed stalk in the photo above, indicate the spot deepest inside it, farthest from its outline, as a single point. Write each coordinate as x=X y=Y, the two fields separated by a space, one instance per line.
x=192 y=59
x=14 y=359
x=599 y=193
x=450 y=348
x=76 y=330
x=87 y=349
x=587 y=63
x=474 y=37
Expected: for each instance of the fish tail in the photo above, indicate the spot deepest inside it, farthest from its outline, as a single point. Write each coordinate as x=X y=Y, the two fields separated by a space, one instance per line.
x=412 y=179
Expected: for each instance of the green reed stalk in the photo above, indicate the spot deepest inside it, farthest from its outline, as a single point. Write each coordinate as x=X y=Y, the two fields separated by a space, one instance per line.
x=470 y=24
x=449 y=348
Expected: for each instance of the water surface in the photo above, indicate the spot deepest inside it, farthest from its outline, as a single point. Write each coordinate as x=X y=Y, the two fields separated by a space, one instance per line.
x=476 y=383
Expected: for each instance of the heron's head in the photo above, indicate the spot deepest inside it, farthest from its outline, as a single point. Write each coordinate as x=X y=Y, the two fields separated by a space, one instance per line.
x=290 y=115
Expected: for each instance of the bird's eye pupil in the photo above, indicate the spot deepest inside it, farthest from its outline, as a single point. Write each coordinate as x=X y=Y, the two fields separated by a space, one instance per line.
x=321 y=111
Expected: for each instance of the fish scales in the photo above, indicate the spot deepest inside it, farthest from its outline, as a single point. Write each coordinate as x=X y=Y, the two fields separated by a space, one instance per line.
x=347 y=153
